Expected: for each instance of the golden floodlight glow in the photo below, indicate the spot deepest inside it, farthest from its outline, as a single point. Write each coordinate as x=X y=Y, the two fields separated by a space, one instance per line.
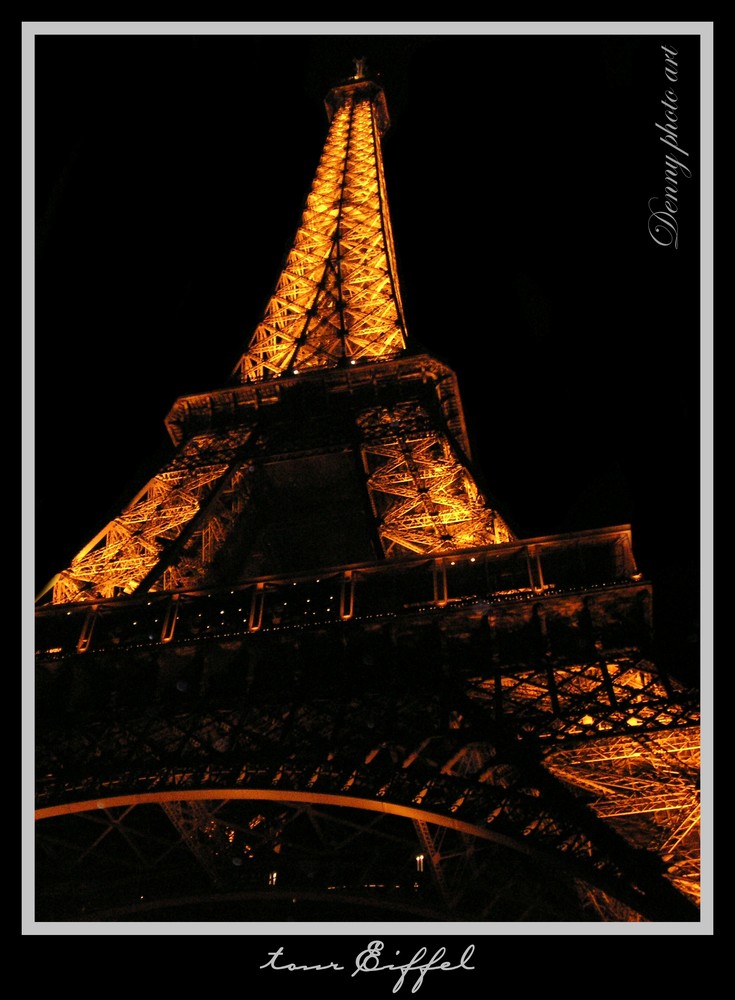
x=423 y=497
x=275 y=480
x=337 y=300
x=337 y=304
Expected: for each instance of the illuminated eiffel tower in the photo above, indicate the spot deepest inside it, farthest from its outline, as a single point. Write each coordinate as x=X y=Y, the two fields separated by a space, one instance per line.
x=309 y=672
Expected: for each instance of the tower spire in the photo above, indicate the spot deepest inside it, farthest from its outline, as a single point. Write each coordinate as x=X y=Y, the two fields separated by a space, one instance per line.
x=337 y=301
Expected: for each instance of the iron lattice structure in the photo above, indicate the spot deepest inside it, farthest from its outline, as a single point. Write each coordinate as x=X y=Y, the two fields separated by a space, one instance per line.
x=309 y=671
x=337 y=300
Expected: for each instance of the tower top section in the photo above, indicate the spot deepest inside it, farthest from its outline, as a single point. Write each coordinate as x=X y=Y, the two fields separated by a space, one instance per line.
x=337 y=302
x=362 y=87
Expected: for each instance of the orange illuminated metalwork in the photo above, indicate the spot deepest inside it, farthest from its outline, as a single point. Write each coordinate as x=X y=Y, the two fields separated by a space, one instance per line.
x=336 y=314
x=644 y=783
x=312 y=609
x=423 y=497
x=132 y=546
x=337 y=300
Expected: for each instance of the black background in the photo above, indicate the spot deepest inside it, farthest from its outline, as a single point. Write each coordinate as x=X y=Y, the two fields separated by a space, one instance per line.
x=170 y=176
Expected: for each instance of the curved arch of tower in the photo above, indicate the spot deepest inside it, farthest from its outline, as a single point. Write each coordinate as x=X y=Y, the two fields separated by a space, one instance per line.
x=310 y=660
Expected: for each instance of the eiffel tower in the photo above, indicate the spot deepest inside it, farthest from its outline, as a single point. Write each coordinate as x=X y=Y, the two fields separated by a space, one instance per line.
x=311 y=672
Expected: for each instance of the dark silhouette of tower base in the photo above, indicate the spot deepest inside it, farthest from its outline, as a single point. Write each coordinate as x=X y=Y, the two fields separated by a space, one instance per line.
x=310 y=673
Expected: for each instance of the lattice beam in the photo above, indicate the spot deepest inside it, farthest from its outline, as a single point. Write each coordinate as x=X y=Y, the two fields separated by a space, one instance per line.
x=131 y=548
x=337 y=299
x=424 y=499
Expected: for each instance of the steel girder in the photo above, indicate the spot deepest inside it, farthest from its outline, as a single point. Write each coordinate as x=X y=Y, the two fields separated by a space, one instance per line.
x=337 y=299
x=530 y=783
x=404 y=465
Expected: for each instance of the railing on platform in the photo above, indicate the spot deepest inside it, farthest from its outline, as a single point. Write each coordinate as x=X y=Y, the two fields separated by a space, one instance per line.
x=498 y=574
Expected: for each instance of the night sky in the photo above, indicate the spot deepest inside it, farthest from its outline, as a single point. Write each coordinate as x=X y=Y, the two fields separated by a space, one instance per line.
x=170 y=175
